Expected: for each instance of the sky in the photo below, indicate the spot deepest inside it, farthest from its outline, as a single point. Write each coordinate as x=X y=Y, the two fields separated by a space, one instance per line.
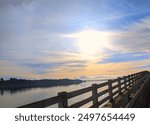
x=44 y=39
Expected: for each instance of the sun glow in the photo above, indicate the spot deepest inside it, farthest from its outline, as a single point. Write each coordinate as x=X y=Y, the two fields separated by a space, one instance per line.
x=91 y=42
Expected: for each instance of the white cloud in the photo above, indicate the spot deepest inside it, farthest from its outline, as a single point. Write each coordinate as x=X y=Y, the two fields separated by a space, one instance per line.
x=135 y=38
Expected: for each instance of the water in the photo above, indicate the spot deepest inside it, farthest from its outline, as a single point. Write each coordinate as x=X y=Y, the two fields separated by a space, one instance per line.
x=15 y=99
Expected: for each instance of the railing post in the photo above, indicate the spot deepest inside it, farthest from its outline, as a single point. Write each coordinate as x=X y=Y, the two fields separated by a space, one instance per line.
x=135 y=79
x=132 y=80
x=95 y=95
x=111 y=93
x=119 y=86
x=62 y=100
x=129 y=79
x=125 y=81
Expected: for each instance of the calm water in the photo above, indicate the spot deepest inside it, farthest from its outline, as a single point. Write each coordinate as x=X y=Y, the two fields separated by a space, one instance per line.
x=11 y=99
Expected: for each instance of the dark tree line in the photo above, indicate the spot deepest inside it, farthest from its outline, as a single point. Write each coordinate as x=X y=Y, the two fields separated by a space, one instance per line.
x=16 y=84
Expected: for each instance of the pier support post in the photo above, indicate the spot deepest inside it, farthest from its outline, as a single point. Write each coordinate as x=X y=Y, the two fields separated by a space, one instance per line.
x=130 y=80
x=125 y=81
x=111 y=93
x=132 y=77
x=119 y=85
x=62 y=100
x=94 y=94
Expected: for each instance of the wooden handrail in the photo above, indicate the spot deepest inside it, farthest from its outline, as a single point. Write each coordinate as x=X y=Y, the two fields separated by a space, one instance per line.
x=113 y=87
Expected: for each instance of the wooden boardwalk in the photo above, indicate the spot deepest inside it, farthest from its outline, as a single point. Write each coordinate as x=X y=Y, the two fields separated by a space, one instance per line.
x=128 y=91
x=143 y=100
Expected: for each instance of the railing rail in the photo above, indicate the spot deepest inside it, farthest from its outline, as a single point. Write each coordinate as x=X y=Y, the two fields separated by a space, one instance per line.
x=112 y=89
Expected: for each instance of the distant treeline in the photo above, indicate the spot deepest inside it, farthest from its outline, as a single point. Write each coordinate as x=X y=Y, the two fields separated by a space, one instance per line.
x=16 y=84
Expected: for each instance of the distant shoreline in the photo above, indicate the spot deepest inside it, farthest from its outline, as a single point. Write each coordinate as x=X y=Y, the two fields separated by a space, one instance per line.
x=18 y=84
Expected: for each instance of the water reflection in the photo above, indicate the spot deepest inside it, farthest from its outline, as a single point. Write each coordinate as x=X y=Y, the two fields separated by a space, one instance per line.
x=14 y=91
x=3 y=92
x=18 y=97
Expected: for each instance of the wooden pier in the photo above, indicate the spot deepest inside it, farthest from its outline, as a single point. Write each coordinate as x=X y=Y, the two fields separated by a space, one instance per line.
x=128 y=91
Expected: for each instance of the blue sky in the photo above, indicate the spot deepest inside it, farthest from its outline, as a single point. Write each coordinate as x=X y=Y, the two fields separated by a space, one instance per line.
x=117 y=57
x=73 y=38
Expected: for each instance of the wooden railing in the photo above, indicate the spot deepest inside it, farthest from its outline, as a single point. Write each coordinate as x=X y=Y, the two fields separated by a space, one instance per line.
x=100 y=93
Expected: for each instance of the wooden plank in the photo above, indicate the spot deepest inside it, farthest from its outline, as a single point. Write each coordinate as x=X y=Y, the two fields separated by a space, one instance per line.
x=122 y=88
x=114 y=80
x=116 y=92
x=104 y=100
x=42 y=103
x=130 y=104
x=81 y=103
x=125 y=81
x=102 y=84
x=102 y=92
x=78 y=92
x=116 y=86
x=101 y=102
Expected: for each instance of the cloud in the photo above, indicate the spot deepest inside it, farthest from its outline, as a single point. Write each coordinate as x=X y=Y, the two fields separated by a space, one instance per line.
x=143 y=67
x=46 y=62
x=31 y=36
x=55 y=66
x=10 y=69
x=135 y=38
